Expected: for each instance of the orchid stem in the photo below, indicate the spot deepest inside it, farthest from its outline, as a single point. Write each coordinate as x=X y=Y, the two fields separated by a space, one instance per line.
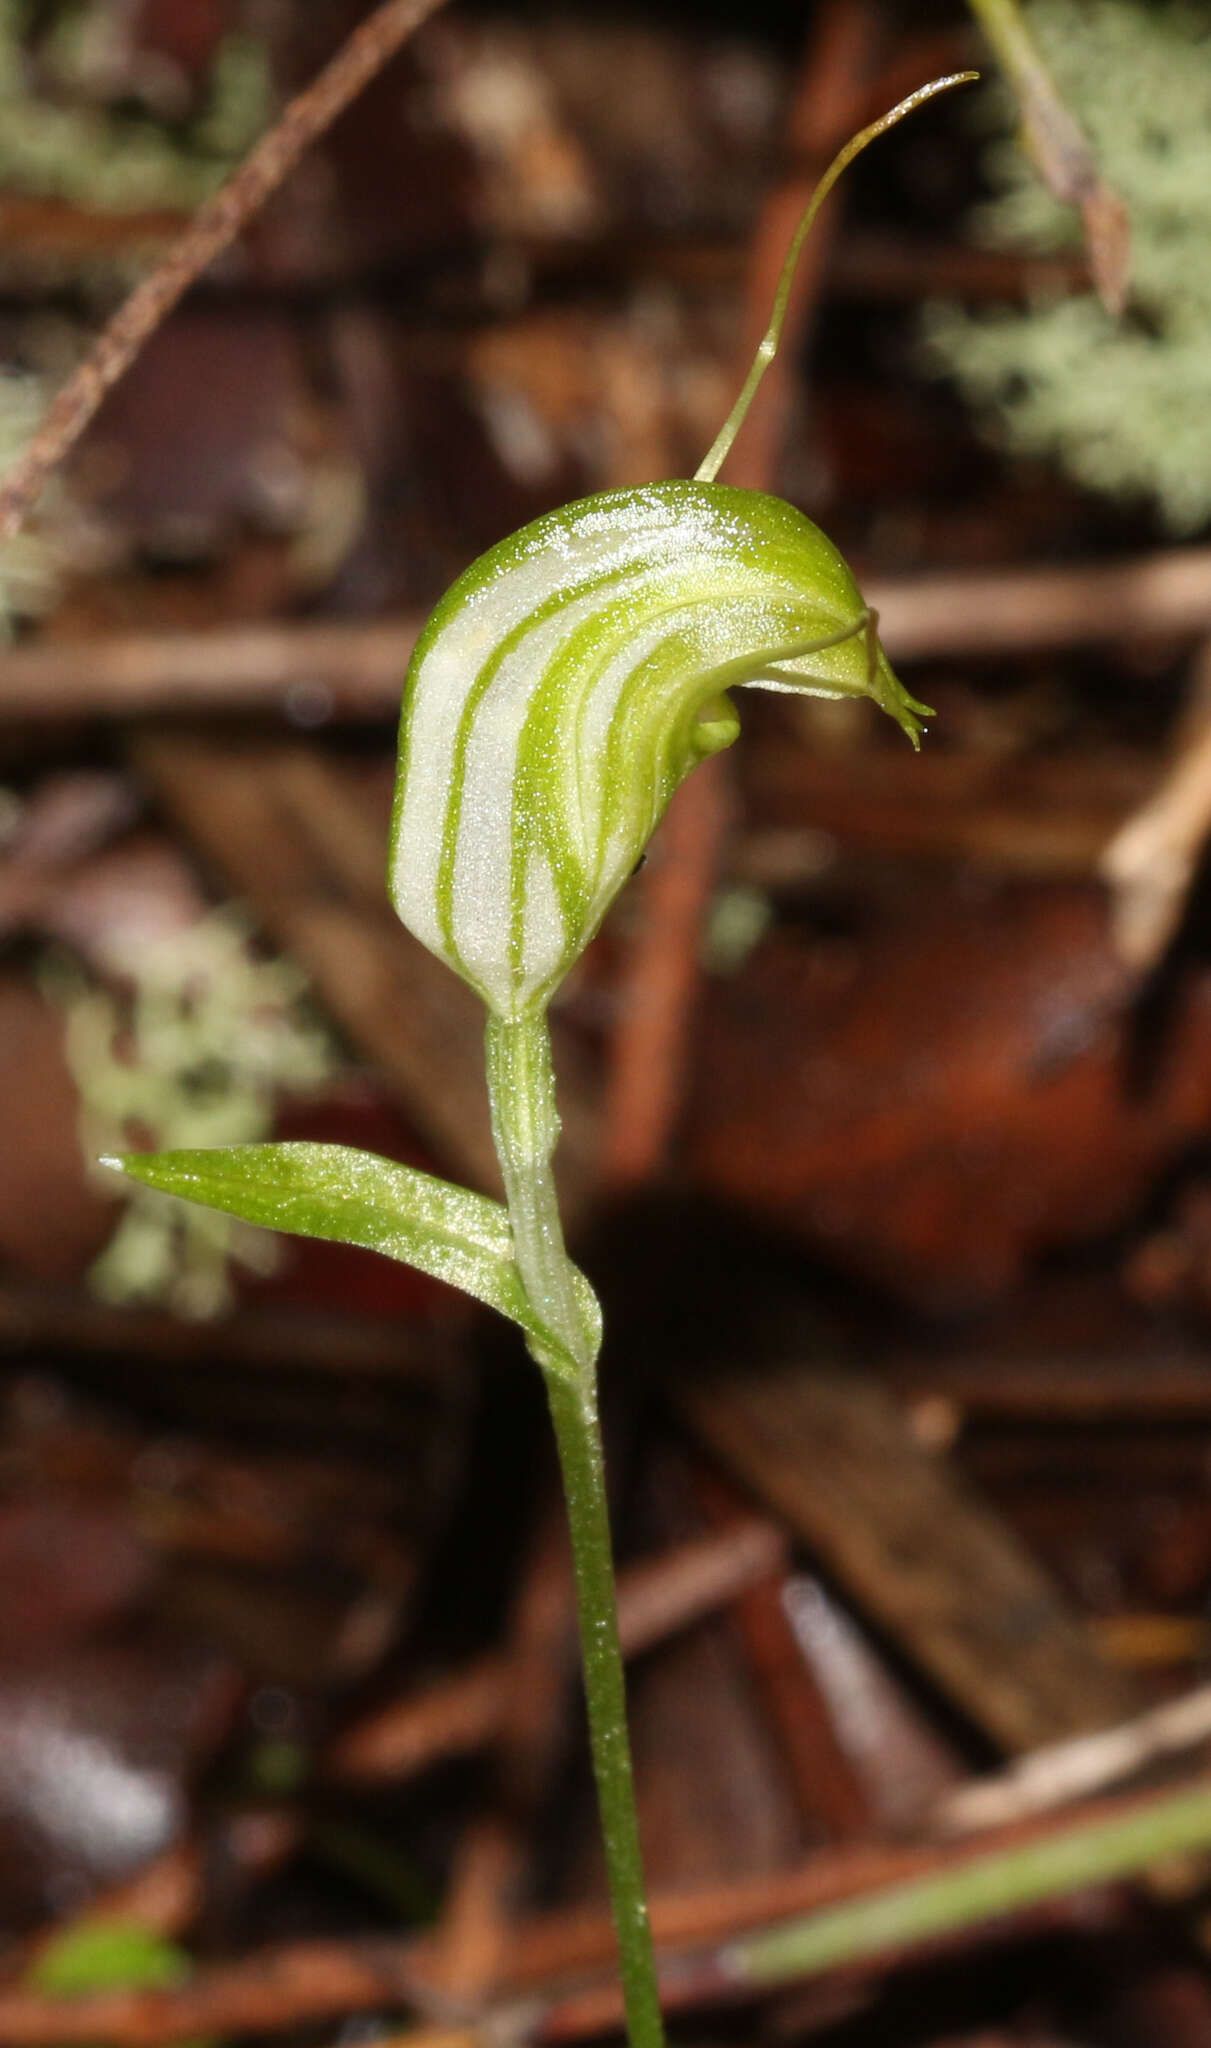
x=525 y=1126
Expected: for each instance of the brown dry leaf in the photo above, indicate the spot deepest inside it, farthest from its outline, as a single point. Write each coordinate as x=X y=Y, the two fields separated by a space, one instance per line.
x=1061 y=151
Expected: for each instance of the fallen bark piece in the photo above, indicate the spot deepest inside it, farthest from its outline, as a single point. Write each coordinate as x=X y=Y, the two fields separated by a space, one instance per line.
x=1048 y=816
x=832 y=1453
x=941 y=1091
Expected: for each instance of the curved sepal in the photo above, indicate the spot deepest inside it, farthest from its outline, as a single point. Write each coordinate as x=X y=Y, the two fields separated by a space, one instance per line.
x=570 y=680
x=358 y=1198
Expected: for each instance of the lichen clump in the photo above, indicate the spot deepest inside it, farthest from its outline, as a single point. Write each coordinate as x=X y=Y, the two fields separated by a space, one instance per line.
x=193 y=1042
x=87 y=122
x=28 y=561
x=1124 y=406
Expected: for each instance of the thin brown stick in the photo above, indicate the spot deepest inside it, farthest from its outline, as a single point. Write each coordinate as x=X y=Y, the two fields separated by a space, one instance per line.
x=822 y=113
x=1152 y=862
x=304 y=1982
x=1015 y=611
x=1061 y=150
x=327 y=671
x=216 y=225
x=554 y=1946
x=451 y=1717
x=1140 y=1386
x=662 y=972
x=263 y=1993
x=656 y=1597
x=490 y=1861
x=1066 y=1771
x=661 y=979
x=358 y=668
x=827 y=1790
x=167 y=1895
x=42 y=1319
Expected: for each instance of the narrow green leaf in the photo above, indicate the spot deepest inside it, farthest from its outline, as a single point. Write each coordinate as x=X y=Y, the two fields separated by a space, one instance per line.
x=334 y=1192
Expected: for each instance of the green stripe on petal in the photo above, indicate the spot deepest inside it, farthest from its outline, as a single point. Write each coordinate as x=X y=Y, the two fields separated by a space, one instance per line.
x=570 y=680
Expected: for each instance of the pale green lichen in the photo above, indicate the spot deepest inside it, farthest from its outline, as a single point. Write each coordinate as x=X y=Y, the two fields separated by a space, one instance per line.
x=1124 y=406
x=192 y=1043
x=84 y=147
x=28 y=563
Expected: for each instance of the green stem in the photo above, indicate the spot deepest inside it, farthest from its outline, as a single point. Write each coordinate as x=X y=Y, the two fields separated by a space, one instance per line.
x=579 y=1439
x=525 y=1126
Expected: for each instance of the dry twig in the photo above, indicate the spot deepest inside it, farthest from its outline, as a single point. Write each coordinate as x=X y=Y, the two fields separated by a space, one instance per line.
x=38 y=1320
x=822 y=113
x=1065 y=1771
x=1061 y=150
x=1016 y=611
x=655 y=1598
x=827 y=1790
x=660 y=979
x=317 y=670
x=354 y=671
x=490 y=1860
x=278 y=1988
x=661 y=974
x=1152 y=860
x=166 y=1896
x=215 y=227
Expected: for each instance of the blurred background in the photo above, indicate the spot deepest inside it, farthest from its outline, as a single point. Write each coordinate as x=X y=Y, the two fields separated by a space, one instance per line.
x=886 y=1088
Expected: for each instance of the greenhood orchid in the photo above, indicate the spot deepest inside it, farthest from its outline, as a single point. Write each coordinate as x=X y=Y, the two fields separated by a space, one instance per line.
x=563 y=688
